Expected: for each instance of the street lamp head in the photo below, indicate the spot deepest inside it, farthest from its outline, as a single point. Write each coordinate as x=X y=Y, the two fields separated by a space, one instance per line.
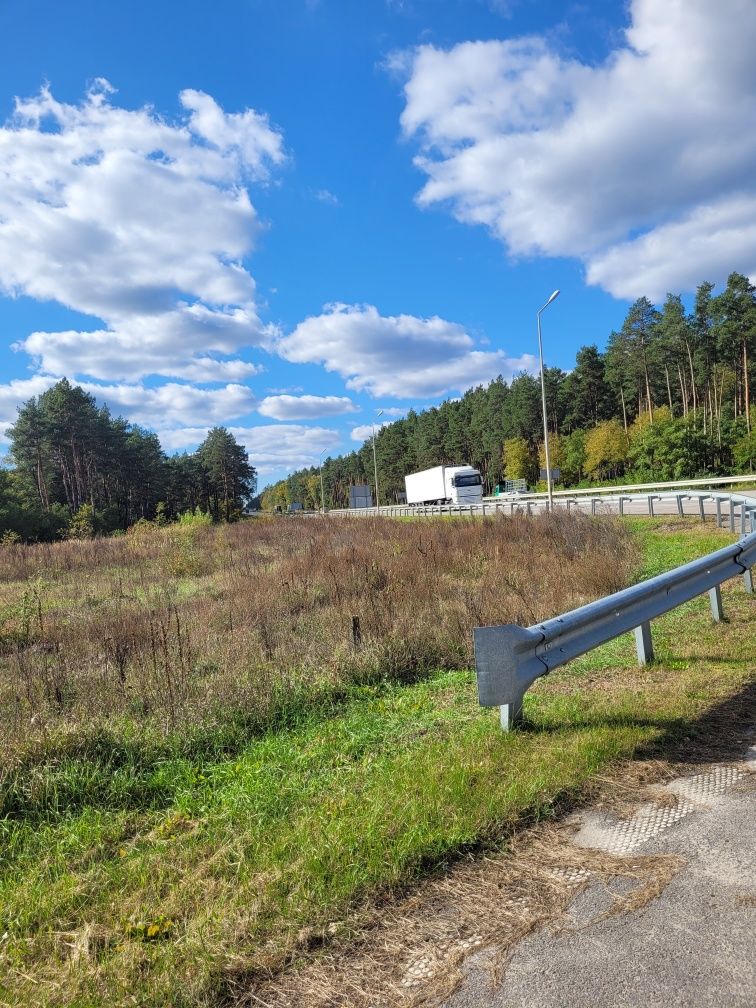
x=553 y=297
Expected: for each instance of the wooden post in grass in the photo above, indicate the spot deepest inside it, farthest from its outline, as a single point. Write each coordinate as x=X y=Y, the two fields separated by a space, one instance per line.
x=356 y=633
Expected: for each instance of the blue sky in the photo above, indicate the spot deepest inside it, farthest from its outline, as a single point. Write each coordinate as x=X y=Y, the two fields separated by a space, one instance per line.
x=284 y=215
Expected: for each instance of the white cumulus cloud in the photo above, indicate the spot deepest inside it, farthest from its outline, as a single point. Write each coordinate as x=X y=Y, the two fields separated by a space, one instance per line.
x=305 y=407
x=140 y=223
x=271 y=448
x=643 y=167
x=365 y=431
x=174 y=404
x=326 y=196
x=15 y=393
x=170 y=405
x=401 y=356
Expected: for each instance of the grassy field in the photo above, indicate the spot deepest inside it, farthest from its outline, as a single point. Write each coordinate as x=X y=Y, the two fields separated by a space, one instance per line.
x=204 y=778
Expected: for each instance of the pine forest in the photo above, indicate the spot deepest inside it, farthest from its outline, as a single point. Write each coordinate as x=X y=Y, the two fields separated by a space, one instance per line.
x=670 y=398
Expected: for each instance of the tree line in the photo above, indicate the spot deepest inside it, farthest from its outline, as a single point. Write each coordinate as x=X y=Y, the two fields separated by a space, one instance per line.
x=669 y=398
x=77 y=470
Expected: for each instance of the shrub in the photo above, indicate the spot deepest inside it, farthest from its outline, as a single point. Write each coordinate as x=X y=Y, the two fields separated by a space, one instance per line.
x=83 y=523
x=125 y=628
x=195 y=519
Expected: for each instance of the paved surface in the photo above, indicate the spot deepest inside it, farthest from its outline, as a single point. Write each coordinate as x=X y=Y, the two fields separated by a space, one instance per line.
x=693 y=946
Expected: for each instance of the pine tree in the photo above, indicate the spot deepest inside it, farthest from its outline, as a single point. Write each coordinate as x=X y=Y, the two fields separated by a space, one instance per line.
x=734 y=314
x=587 y=395
x=231 y=480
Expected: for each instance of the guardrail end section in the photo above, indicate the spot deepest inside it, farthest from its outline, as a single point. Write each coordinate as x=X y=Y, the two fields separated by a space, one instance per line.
x=506 y=665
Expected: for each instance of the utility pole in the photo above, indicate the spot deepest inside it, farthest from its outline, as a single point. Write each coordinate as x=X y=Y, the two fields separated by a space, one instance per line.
x=322 y=492
x=375 y=463
x=543 y=404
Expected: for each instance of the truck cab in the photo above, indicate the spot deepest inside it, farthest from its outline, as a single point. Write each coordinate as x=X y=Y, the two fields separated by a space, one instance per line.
x=464 y=485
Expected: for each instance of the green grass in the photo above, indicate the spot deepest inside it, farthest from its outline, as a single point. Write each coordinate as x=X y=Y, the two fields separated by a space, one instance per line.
x=666 y=543
x=154 y=872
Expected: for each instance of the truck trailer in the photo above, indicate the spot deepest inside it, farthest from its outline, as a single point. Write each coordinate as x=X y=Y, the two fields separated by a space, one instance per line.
x=458 y=484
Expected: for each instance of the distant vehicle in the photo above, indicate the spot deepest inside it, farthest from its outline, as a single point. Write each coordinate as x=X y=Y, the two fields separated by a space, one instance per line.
x=510 y=487
x=460 y=484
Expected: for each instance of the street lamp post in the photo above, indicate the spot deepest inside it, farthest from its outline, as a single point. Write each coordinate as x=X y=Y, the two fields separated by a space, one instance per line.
x=322 y=492
x=375 y=463
x=543 y=403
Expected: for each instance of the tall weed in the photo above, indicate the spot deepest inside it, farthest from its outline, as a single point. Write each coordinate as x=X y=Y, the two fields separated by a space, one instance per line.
x=170 y=627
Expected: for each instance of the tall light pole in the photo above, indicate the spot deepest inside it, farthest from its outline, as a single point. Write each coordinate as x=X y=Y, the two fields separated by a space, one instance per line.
x=375 y=464
x=543 y=403
x=322 y=492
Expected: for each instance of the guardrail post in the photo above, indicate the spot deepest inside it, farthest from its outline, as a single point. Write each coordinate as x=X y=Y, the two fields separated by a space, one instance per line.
x=510 y=715
x=506 y=666
x=651 y=505
x=732 y=516
x=742 y=519
x=621 y=504
x=593 y=506
x=718 y=504
x=701 y=508
x=748 y=581
x=680 y=510
x=715 y=600
x=644 y=645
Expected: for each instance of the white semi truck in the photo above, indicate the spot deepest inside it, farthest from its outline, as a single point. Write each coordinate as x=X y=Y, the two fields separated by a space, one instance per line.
x=460 y=484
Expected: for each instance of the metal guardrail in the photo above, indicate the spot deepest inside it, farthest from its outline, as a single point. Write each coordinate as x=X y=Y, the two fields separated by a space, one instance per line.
x=491 y=505
x=669 y=485
x=510 y=658
x=724 y=505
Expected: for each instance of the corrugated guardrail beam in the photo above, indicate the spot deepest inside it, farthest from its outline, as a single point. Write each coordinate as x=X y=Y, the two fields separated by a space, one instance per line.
x=665 y=486
x=510 y=658
x=603 y=504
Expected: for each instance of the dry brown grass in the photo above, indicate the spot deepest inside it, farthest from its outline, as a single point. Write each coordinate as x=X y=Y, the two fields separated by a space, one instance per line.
x=411 y=951
x=265 y=861
x=167 y=625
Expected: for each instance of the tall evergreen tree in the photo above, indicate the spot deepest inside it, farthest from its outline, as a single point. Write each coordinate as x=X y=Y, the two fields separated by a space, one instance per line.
x=230 y=479
x=674 y=336
x=734 y=314
x=587 y=395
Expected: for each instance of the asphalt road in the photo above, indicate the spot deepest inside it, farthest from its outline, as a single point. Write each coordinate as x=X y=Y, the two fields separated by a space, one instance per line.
x=691 y=947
